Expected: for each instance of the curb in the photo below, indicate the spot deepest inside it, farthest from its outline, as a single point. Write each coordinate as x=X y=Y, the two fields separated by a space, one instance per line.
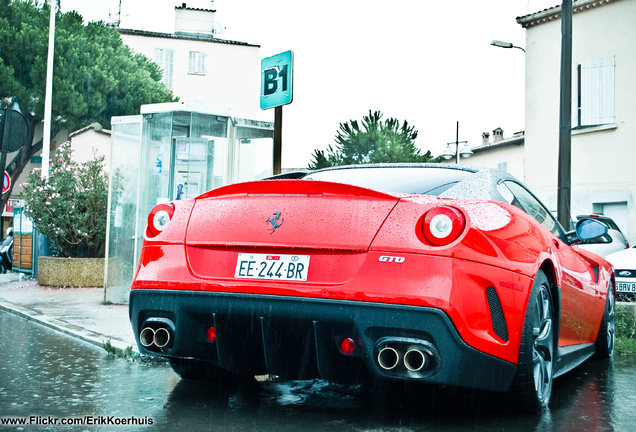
x=77 y=332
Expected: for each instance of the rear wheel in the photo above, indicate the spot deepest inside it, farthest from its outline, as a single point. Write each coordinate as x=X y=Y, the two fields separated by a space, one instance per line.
x=607 y=333
x=532 y=385
x=3 y=269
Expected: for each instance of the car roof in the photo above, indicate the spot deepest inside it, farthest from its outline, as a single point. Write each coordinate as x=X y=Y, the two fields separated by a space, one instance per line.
x=480 y=185
x=593 y=216
x=469 y=168
x=606 y=220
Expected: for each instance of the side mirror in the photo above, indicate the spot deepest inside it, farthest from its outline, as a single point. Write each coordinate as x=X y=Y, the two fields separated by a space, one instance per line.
x=588 y=229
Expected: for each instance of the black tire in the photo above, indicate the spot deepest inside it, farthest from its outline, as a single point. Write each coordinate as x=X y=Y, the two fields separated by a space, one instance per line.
x=607 y=333
x=196 y=370
x=3 y=269
x=532 y=385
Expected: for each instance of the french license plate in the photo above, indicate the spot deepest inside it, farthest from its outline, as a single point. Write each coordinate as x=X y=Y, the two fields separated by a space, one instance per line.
x=626 y=287
x=272 y=267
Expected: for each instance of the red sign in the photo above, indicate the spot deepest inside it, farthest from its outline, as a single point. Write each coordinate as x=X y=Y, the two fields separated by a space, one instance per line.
x=10 y=205
x=7 y=183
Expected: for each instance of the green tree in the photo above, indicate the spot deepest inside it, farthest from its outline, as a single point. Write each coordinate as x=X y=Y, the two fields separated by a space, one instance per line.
x=95 y=76
x=376 y=141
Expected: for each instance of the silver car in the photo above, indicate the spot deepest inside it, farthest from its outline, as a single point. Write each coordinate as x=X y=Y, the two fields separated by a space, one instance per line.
x=606 y=244
x=624 y=263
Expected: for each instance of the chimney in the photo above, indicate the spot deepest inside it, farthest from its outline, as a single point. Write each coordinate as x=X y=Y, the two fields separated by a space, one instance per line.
x=497 y=135
x=484 y=138
x=193 y=21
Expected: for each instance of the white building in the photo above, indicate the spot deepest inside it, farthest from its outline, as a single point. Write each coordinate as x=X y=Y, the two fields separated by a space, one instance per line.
x=498 y=152
x=197 y=65
x=604 y=113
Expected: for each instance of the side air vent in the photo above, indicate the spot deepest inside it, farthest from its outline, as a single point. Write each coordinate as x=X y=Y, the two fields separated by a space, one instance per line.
x=496 y=314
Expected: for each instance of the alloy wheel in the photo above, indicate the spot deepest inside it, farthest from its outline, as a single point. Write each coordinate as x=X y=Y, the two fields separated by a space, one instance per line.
x=543 y=344
x=611 y=320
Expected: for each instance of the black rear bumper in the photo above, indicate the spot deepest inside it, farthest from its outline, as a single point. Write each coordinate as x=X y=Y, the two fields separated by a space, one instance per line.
x=299 y=338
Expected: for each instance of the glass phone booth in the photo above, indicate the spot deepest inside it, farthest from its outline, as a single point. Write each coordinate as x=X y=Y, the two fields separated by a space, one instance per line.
x=170 y=152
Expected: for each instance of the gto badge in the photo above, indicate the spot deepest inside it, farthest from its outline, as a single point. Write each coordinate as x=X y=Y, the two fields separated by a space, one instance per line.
x=625 y=273
x=274 y=221
x=385 y=258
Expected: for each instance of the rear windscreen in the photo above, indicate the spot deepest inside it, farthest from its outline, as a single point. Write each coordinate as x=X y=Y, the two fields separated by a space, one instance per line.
x=410 y=180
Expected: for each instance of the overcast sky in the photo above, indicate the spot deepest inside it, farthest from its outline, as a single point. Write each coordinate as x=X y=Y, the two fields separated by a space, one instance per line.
x=428 y=62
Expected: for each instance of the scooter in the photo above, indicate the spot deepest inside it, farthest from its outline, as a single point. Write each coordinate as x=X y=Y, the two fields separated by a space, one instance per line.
x=6 y=252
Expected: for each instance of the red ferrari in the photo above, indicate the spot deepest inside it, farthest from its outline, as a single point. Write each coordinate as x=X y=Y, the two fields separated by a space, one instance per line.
x=434 y=273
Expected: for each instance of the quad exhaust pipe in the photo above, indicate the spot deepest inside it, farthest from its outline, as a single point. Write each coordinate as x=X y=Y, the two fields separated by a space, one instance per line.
x=388 y=358
x=407 y=357
x=157 y=333
x=162 y=337
x=159 y=337
x=147 y=337
x=414 y=359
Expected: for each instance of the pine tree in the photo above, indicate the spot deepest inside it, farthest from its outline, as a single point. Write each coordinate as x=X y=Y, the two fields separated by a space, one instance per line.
x=372 y=141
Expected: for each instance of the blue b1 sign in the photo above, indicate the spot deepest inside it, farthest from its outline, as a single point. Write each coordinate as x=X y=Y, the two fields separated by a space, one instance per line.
x=276 y=80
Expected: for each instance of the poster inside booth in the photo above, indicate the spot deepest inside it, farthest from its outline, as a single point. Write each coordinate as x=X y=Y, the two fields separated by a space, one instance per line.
x=22 y=240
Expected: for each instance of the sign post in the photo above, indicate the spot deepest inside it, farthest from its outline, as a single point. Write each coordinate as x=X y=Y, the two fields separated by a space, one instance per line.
x=14 y=132
x=6 y=185
x=276 y=91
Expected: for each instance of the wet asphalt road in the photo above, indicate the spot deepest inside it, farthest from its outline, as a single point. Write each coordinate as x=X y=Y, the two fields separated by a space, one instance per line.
x=44 y=373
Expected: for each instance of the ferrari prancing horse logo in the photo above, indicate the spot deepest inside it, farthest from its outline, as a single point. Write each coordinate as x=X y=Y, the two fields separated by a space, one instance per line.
x=274 y=221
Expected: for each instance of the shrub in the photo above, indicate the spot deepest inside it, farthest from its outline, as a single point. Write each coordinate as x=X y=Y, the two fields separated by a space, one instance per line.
x=69 y=207
x=625 y=321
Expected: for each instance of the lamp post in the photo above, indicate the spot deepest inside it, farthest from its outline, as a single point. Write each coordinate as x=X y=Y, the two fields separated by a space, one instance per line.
x=502 y=44
x=46 y=138
x=465 y=151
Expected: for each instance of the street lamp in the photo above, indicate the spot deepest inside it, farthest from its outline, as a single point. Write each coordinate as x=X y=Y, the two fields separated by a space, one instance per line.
x=502 y=44
x=464 y=152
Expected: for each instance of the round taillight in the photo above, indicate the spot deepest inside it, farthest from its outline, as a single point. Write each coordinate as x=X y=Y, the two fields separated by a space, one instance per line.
x=443 y=225
x=210 y=334
x=159 y=218
x=347 y=346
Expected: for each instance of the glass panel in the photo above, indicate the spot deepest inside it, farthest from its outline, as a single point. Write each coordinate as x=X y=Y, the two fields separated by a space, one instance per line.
x=209 y=137
x=528 y=203
x=411 y=180
x=156 y=151
x=255 y=153
x=122 y=197
x=254 y=149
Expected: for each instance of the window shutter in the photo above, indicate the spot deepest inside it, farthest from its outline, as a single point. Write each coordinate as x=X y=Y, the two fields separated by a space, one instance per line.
x=201 y=68
x=163 y=58
x=191 y=62
x=597 y=91
x=575 y=95
x=159 y=56
x=168 y=69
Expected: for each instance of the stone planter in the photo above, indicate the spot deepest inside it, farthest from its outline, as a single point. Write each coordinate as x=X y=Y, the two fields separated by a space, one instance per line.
x=75 y=272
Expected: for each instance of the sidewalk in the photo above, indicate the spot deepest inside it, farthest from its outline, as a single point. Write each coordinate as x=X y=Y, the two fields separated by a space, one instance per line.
x=77 y=312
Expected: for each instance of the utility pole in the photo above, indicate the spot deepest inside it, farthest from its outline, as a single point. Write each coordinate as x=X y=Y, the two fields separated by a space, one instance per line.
x=46 y=138
x=565 y=119
x=278 y=139
x=465 y=152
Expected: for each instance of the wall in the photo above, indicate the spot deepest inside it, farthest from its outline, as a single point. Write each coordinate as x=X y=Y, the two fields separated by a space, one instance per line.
x=232 y=77
x=511 y=154
x=602 y=158
x=84 y=143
